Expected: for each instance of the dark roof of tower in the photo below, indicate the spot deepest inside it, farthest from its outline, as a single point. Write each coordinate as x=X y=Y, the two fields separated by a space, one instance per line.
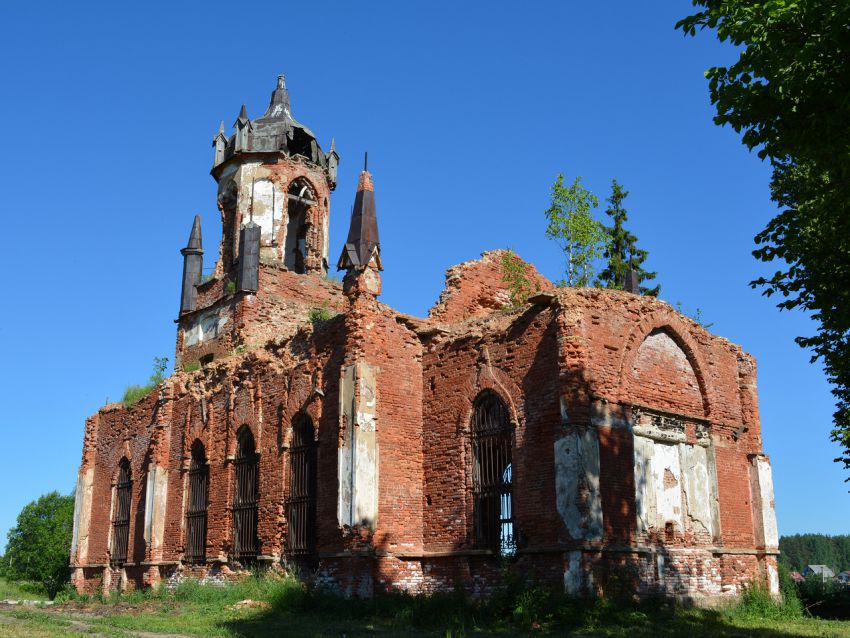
x=363 y=243
x=277 y=130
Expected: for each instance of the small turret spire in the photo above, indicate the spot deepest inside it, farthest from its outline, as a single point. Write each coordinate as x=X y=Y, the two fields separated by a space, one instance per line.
x=243 y=116
x=193 y=265
x=195 y=242
x=362 y=250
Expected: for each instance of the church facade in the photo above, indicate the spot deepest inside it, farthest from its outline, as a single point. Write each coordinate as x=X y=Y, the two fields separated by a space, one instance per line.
x=596 y=440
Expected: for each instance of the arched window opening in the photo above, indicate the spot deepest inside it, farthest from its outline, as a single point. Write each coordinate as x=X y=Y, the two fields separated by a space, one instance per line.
x=300 y=198
x=492 y=475
x=196 y=512
x=121 y=514
x=302 y=488
x=245 y=498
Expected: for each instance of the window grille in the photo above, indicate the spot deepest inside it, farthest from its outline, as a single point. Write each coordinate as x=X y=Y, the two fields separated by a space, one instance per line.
x=121 y=518
x=302 y=488
x=245 y=498
x=196 y=512
x=492 y=475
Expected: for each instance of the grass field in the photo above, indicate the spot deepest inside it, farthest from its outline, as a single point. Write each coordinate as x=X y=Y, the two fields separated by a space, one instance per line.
x=283 y=607
x=20 y=591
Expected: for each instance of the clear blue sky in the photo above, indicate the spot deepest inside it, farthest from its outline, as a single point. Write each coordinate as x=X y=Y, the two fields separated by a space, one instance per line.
x=468 y=113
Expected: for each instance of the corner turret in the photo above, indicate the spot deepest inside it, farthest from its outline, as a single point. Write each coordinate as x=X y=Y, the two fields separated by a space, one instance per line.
x=361 y=255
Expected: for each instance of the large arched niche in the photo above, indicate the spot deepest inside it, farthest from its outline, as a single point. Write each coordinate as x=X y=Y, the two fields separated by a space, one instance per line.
x=662 y=375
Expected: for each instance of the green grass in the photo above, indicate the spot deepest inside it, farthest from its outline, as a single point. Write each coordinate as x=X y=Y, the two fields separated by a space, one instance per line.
x=289 y=608
x=21 y=591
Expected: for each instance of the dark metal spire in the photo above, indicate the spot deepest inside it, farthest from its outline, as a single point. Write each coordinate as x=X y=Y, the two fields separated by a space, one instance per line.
x=363 y=244
x=243 y=116
x=193 y=265
x=279 y=103
x=195 y=235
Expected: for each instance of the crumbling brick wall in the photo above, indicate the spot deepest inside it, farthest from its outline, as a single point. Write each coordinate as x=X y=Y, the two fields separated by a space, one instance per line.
x=636 y=449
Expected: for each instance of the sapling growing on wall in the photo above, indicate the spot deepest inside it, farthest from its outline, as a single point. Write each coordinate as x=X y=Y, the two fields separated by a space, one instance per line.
x=571 y=225
x=515 y=275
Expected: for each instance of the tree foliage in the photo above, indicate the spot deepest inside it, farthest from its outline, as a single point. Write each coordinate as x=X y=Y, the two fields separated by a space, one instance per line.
x=571 y=225
x=515 y=275
x=800 y=550
x=39 y=546
x=621 y=250
x=788 y=94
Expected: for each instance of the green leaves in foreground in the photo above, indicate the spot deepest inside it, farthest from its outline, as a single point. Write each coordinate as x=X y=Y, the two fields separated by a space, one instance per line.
x=39 y=546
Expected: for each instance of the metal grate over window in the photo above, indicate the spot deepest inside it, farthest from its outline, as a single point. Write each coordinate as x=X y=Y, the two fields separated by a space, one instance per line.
x=196 y=512
x=492 y=475
x=245 y=498
x=302 y=488
x=121 y=518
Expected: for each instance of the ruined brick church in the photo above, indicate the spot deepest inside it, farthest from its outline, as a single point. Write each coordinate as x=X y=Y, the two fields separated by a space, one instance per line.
x=597 y=440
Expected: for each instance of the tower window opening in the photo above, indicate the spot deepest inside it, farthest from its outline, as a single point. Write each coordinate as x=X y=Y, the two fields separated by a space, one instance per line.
x=302 y=488
x=300 y=199
x=196 y=512
x=121 y=518
x=492 y=475
x=245 y=540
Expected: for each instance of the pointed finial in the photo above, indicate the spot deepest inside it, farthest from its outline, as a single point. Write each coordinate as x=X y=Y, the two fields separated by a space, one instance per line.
x=281 y=81
x=243 y=114
x=221 y=128
x=195 y=235
x=333 y=145
x=366 y=161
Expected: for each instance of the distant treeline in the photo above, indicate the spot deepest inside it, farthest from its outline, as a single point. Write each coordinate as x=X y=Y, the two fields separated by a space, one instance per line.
x=800 y=550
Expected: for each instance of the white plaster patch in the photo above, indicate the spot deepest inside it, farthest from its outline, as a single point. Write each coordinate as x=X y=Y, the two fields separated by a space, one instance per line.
x=572 y=575
x=666 y=477
x=82 y=516
x=773 y=580
x=768 y=511
x=645 y=504
x=577 y=484
x=698 y=486
x=155 y=500
x=358 y=456
x=207 y=325
x=268 y=208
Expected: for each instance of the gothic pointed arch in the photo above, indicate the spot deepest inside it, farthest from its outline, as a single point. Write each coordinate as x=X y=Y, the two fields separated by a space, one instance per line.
x=492 y=474
x=658 y=349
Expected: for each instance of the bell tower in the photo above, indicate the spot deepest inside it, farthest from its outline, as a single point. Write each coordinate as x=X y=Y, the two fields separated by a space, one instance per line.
x=274 y=186
x=272 y=172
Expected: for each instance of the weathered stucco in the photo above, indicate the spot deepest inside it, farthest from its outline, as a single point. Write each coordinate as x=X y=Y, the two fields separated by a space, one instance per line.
x=358 y=456
x=577 y=484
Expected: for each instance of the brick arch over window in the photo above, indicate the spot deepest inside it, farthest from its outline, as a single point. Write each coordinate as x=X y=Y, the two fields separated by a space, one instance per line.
x=121 y=513
x=492 y=473
x=654 y=340
x=245 y=496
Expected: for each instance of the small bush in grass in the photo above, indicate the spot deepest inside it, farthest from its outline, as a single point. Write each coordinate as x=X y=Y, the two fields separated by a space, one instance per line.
x=756 y=602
